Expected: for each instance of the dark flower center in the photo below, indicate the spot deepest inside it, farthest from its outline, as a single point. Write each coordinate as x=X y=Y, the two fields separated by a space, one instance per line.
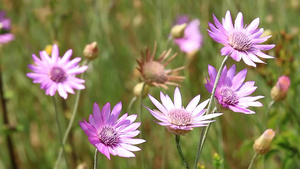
x=229 y=97
x=57 y=74
x=240 y=41
x=108 y=136
x=155 y=72
x=180 y=117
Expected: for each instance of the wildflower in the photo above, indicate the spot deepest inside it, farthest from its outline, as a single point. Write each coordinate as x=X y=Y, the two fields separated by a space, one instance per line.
x=57 y=74
x=192 y=39
x=111 y=135
x=231 y=92
x=279 y=91
x=176 y=118
x=5 y=36
x=263 y=143
x=154 y=72
x=90 y=51
x=240 y=42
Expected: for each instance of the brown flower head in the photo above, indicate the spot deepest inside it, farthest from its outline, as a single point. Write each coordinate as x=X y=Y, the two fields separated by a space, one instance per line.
x=154 y=72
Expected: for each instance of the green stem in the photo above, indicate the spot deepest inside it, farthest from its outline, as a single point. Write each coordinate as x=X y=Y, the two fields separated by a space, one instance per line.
x=252 y=160
x=268 y=111
x=177 y=139
x=220 y=140
x=95 y=159
x=204 y=131
x=130 y=104
x=8 y=138
x=140 y=119
x=71 y=121
x=59 y=130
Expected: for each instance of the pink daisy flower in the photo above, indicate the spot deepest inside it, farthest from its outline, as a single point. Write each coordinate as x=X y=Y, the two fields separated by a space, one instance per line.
x=111 y=135
x=57 y=74
x=5 y=36
x=231 y=91
x=176 y=118
x=240 y=42
x=192 y=39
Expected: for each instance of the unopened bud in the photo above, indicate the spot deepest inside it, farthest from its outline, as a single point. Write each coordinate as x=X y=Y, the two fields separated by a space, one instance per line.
x=138 y=89
x=90 y=51
x=217 y=160
x=263 y=143
x=279 y=91
x=177 y=31
x=48 y=49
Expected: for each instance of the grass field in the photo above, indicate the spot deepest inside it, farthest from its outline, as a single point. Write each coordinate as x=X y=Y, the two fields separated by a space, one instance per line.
x=122 y=30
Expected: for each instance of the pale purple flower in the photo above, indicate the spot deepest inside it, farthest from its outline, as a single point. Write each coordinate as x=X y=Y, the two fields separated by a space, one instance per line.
x=111 y=135
x=176 y=118
x=231 y=91
x=192 y=39
x=240 y=42
x=57 y=74
x=5 y=36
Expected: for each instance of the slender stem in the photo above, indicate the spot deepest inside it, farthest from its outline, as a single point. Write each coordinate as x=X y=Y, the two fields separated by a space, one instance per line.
x=177 y=139
x=220 y=140
x=140 y=119
x=8 y=138
x=252 y=160
x=131 y=103
x=59 y=130
x=95 y=159
x=164 y=149
x=204 y=131
x=70 y=122
x=268 y=111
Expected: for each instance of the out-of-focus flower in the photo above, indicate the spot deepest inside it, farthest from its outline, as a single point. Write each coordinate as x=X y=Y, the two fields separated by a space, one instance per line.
x=263 y=143
x=90 y=51
x=176 y=118
x=5 y=36
x=138 y=89
x=111 y=135
x=57 y=74
x=231 y=91
x=279 y=91
x=154 y=72
x=240 y=42
x=192 y=39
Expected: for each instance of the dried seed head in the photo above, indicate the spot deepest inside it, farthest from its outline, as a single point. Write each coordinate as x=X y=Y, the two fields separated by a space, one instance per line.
x=154 y=72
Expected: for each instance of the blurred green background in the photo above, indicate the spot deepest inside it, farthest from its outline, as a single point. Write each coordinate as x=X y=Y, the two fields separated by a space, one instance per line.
x=122 y=29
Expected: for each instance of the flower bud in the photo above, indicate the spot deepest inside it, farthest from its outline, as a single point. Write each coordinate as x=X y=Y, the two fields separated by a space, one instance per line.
x=177 y=31
x=279 y=91
x=48 y=49
x=138 y=89
x=90 y=51
x=263 y=143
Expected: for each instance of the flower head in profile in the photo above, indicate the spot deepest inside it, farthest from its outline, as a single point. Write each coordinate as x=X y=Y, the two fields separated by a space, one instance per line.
x=57 y=73
x=154 y=72
x=5 y=36
x=240 y=42
x=263 y=143
x=111 y=135
x=279 y=91
x=176 y=118
x=192 y=39
x=231 y=92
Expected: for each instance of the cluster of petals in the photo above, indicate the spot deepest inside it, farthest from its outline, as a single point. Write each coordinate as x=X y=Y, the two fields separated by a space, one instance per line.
x=192 y=39
x=57 y=73
x=231 y=91
x=5 y=25
x=176 y=118
x=111 y=135
x=240 y=42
